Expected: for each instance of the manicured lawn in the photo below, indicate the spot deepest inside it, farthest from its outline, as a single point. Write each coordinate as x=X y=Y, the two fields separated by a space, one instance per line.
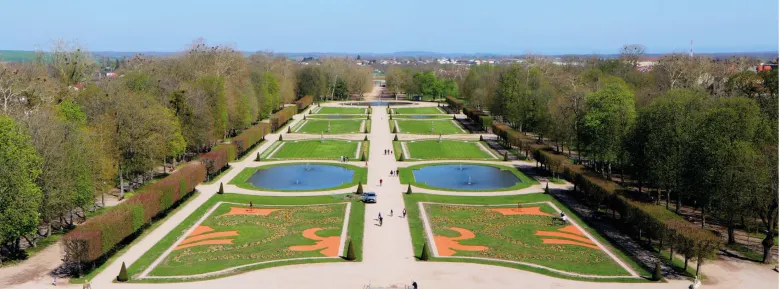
x=422 y=116
x=340 y=110
x=335 y=117
x=259 y=238
x=446 y=150
x=418 y=110
x=406 y=176
x=242 y=179
x=318 y=126
x=424 y=126
x=513 y=237
x=313 y=149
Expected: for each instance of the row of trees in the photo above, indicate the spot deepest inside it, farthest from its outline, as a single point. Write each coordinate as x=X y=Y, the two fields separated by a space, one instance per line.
x=423 y=83
x=692 y=130
x=334 y=78
x=78 y=134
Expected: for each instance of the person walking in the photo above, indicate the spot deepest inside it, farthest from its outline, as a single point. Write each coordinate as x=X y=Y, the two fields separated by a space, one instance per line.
x=380 y=221
x=391 y=212
x=391 y=173
x=380 y=182
x=396 y=172
x=380 y=215
x=404 y=213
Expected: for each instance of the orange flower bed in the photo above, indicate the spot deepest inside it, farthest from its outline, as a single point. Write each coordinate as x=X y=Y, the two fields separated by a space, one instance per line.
x=209 y=236
x=572 y=230
x=206 y=242
x=200 y=230
x=250 y=211
x=329 y=245
x=568 y=242
x=446 y=246
x=563 y=235
x=199 y=237
x=535 y=211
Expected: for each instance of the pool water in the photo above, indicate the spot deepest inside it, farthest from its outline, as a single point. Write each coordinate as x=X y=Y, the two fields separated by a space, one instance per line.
x=301 y=177
x=465 y=177
x=378 y=103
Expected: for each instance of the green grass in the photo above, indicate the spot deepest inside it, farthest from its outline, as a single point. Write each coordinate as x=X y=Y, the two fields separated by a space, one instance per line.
x=242 y=179
x=417 y=110
x=424 y=126
x=355 y=231
x=341 y=117
x=678 y=264
x=513 y=238
x=313 y=149
x=417 y=117
x=406 y=176
x=418 y=235
x=446 y=150
x=312 y=126
x=91 y=274
x=340 y=110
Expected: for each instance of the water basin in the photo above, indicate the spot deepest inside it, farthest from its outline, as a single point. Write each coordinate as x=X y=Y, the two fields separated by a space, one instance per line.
x=465 y=177
x=301 y=177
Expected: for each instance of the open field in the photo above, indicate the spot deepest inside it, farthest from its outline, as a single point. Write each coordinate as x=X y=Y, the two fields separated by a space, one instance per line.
x=273 y=232
x=339 y=110
x=446 y=150
x=318 y=126
x=315 y=149
x=417 y=110
x=424 y=126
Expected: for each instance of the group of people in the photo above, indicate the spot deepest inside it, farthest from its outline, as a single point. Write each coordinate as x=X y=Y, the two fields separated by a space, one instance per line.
x=344 y=159
x=394 y=173
x=388 y=152
x=391 y=214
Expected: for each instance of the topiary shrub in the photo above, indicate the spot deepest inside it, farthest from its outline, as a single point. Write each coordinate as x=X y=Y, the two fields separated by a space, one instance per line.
x=424 y=254
x=547 y=188
x=304 y=117
x=122 y=277
x=391 y=117
x=280 y=137
x=506 y=156
x=363 y=157
x=365 y=130
x=365 y=138
x=395 y=138
x=350 y=251
x=257 y=159
x=480 y=138
x=395 y=129
x=359 y=190
x=453 y=117
x=409 y=189
x=289 y=130
x=657 y=276
x=221 y=189
x=401 y=158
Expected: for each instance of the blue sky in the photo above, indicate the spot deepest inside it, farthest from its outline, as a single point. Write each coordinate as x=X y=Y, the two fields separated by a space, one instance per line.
x=453 y=26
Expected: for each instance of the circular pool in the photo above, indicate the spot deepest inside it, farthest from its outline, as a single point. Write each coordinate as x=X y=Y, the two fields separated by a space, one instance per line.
x=378 y=103
x=301 y=177
x=465 y=177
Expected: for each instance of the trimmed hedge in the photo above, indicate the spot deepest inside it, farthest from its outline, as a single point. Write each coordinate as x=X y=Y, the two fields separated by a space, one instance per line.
x=100 y=235
x=304 y=102
x=281 y=117
x=478 y=116
x=454 y=103
x=229 y=149
x=214 y=161
x=250 y=137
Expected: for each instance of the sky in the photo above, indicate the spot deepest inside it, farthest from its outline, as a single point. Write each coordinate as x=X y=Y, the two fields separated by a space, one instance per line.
x=354 y=26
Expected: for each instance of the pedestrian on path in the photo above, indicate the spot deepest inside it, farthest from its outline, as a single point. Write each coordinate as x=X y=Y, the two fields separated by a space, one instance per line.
x=380 y=215
x=391 y=212
x=404 y=213
x=396 y=172
x=380 y=221
x=391 y=173
x=380 y=182
x=54 y=281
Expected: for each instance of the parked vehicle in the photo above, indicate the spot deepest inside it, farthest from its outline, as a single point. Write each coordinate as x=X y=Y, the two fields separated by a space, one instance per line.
x=368 y=197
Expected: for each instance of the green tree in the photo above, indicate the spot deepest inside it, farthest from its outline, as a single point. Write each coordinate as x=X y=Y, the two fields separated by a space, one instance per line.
x=21 y=196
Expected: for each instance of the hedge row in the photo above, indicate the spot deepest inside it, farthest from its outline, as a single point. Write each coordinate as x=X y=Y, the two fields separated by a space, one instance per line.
x=281 y=117
x=219 y=157
x=101 y=234
x=251 y=136
x=454 y=103
x=651 y=221
x=304 y=102
x=478 y=116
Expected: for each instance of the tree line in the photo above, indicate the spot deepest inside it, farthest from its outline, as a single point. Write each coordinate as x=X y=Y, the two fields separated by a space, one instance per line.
x=692 y=131
x=70 y=133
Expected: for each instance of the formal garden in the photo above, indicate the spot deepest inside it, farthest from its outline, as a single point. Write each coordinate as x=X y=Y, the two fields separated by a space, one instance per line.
x=316 y=149
x=300 y=177
x=339 y=110
x=417 y=110
x=514 y=231
x=328 y=126
x=242 y=233
x=434 y=149
x=434 y=127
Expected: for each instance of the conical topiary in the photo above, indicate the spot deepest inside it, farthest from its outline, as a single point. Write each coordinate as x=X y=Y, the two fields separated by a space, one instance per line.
x=350 y=251
x=409 y=189
x=363 y=157
x=304 y=117
x=257 y=159
x=401 y=158
x=657 y=276
x=480 y=138
x=359 y=189
x=391 y=117
x=547 y=188
x=280 y=137
x=365 y=130
x=221 y=189
x=368 y=117
x=506 y=156
x=424 y=254
x=122 y=277
x=289 y=130
x=395 y=129
x=365 y=138
x=395 y=138
x=453 y=117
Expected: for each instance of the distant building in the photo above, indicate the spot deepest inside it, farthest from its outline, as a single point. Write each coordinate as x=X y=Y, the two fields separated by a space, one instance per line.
x=772 y=65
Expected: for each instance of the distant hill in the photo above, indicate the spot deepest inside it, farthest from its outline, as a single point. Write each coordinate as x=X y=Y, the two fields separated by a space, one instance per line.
x=25 y=56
